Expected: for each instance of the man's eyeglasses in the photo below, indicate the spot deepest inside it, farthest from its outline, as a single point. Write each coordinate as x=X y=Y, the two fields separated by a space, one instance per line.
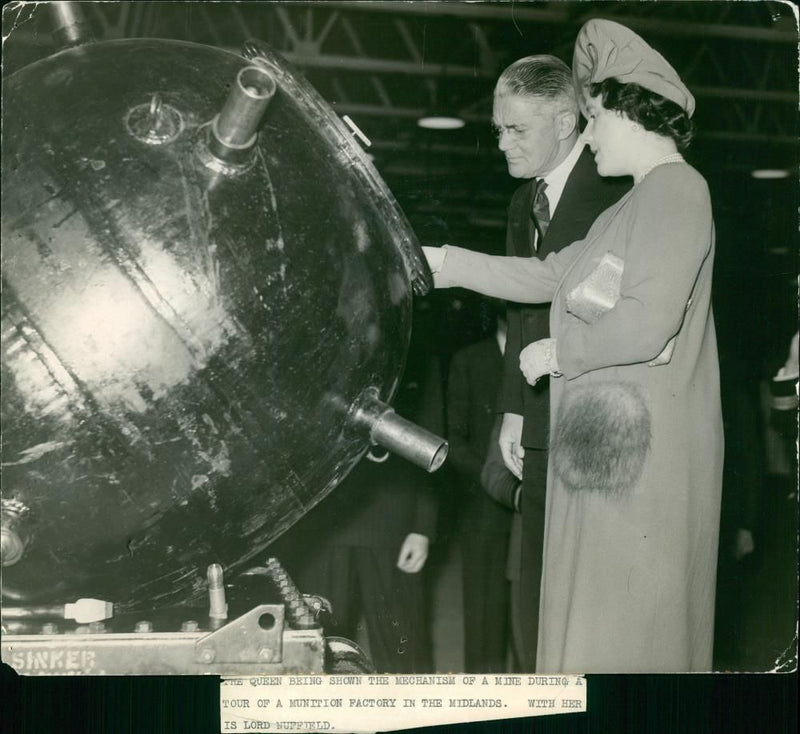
x=515 y=132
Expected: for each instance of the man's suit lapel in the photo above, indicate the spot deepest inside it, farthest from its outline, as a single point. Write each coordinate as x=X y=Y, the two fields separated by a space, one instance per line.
x=520 y=221
x=576 y=208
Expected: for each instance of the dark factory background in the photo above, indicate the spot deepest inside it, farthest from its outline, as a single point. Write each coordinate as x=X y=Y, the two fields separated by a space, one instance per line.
x=387 y=65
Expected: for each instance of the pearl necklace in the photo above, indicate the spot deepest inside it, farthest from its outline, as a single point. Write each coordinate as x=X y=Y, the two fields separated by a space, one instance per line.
x=671 y=158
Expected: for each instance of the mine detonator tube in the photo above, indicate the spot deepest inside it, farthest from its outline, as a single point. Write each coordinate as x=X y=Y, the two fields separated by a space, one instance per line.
x=69 y=24
x=233 y=130
x=400 y=436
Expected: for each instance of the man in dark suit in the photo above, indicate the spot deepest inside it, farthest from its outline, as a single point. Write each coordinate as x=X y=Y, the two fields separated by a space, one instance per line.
x=536 y=117
x=475 y=373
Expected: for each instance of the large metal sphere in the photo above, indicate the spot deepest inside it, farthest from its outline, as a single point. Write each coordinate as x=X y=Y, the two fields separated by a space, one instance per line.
x=181 y=345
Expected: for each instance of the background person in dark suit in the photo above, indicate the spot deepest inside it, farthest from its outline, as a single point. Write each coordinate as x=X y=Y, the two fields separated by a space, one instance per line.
x=503 y=487
x=536 y=118
x=364 y=547
x=474 y=379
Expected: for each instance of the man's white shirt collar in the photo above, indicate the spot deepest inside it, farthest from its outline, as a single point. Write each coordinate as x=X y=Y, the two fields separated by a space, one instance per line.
x=500 y=336
x=556 y=180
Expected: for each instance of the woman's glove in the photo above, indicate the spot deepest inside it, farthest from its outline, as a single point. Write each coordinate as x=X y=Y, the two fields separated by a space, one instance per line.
x=538 y=359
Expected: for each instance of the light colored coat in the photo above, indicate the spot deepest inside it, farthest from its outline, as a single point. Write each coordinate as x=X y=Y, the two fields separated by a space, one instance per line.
x=629 y=580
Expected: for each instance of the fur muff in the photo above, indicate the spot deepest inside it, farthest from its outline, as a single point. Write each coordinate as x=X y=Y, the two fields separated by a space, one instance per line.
x=601 y=438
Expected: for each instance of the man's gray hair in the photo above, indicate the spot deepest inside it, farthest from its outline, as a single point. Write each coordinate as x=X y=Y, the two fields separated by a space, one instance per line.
x=542 y=76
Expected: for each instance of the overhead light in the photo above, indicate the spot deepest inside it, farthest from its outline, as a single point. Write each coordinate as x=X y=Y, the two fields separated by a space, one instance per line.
x=769 y=173
x=440 y=122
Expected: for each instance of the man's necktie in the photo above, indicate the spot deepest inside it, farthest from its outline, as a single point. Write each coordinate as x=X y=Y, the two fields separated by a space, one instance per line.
x=540 y=211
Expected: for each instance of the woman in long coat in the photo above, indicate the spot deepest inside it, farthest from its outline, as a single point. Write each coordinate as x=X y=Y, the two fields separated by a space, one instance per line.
x=634 y=481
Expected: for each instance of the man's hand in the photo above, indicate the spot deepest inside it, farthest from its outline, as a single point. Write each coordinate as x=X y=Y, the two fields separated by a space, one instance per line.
x=744 y=545
x=511 y=443
x=413 y=553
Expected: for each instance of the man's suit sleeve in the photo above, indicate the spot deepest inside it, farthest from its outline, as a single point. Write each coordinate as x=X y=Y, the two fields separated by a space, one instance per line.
x=497 y=481
x=511 y=395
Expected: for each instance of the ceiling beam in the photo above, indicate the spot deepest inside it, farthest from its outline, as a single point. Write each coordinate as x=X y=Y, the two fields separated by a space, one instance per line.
x=367 y=110
x=516 y=11
x=734 y=136
x=754 y=95
x=692 y=28
x=394 y=146
x=384 y=66
x=459 y=9
x=391 y=66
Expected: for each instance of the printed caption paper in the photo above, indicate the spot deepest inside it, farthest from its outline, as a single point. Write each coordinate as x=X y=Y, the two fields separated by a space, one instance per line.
x=371 y=703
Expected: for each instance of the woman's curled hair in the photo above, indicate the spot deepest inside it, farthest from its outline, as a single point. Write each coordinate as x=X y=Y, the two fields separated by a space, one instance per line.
x=652 y=111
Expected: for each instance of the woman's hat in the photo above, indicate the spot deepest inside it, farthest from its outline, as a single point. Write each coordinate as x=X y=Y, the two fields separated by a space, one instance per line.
x=606 y=49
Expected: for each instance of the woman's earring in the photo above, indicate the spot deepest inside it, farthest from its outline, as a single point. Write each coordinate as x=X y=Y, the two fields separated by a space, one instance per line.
x=635 y=126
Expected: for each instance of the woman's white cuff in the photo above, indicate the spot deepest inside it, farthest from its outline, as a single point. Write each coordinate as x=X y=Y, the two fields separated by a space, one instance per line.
x=435 y=257
x=551 y=358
